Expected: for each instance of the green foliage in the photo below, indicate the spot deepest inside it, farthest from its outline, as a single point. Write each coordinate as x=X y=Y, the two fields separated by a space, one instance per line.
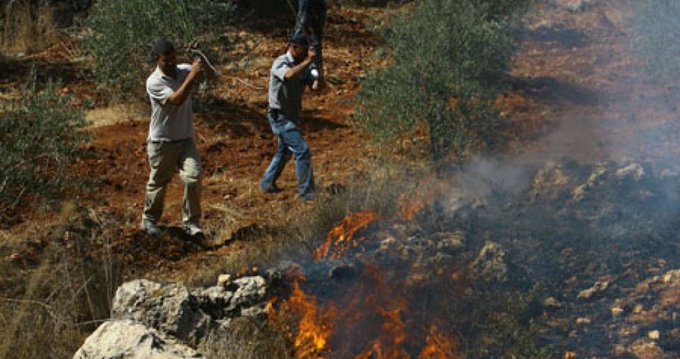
x=449 y=59
x=40 y=134
x=656 y=32
x=124 y=33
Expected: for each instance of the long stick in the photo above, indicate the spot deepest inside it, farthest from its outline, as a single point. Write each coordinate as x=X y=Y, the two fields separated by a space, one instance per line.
x=219 y=74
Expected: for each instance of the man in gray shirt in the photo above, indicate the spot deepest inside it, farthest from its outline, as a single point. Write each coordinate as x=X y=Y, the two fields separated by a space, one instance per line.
x=170 y=144
x=289 y=75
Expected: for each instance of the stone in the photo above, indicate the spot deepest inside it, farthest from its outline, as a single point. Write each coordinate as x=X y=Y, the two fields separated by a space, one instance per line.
x=127 y=339
x=631 y=170
x=653 y=335
x=583 y=321
x=616 y=310
x=213 y=300
x=644 y=349
x=599 y=287
x=581 y=191
x=489 y=265
x=575 y=6
x=250 y=291
x=552 y=303
x=449 y=242
x=549 y=183
x=223 y=280
x=387 y=244
x=168 y=308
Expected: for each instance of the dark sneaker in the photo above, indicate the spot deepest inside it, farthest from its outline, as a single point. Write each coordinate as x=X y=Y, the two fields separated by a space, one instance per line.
x=192 y=230
x=307 y=197
x=150 y=228
x=272 y=189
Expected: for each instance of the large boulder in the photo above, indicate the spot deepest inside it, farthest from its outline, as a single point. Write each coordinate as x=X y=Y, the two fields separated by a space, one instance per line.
x=169 y=308
x=123 y=339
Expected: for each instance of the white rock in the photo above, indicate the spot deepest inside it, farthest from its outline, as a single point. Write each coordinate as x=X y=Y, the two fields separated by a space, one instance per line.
x=616 y=310
x=583 y=321
x=653 y=335
x=224 y=280
x=126 y=339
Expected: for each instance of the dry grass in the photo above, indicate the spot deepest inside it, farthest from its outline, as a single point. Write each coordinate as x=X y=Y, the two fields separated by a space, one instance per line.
x=54 y=291
x=28 y=29
x=111 y=115
x=247 y=338
x=265 y=247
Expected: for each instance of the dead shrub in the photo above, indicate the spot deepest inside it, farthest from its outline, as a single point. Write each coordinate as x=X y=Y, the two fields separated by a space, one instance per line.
x=247 y=338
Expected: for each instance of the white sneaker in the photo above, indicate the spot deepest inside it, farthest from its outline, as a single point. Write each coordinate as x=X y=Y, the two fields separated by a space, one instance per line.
x=192 y=229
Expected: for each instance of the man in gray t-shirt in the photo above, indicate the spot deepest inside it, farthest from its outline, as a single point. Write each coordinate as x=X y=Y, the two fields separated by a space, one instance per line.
x=290 y=73
x=170 y=143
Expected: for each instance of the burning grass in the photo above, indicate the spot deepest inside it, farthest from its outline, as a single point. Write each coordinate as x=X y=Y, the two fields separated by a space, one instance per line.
x=475 y=275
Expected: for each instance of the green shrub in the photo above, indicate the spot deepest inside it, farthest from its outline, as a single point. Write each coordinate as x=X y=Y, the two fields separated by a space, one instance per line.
x=449 y=59
x=41 y=134
x=124 y=33
x=656 y=32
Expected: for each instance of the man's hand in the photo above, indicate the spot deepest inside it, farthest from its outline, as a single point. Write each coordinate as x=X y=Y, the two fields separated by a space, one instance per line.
x=311 y=54
x=207 y=67
x=184 y=90
x=196 y=67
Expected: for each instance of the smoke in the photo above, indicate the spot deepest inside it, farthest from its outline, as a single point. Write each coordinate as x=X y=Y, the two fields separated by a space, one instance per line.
x=605 y=71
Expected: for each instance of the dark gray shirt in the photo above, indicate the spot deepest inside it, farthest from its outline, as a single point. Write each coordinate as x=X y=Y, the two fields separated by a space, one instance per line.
x=285 y=96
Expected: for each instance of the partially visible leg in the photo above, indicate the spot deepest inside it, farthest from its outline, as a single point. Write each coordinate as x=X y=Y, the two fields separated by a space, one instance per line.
x=282 y=156
x=162 y=159
x=302 y=21
x=190 y=172
x=317 y=24
x=303 y=161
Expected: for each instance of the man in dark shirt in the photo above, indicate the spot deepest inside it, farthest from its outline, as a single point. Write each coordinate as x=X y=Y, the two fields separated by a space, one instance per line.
x=289 y=75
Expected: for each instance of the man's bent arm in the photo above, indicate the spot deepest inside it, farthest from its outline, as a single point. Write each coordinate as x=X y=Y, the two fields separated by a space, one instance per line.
x=294 y=71
x=178 y=97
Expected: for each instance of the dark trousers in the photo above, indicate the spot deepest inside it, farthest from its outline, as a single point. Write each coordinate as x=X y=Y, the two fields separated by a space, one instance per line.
x=311 y=19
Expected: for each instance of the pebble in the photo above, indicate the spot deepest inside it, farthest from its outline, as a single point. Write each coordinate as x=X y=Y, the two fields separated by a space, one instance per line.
x=224 y=280
x=653 y=335
x=583 y=321
x=551 y=302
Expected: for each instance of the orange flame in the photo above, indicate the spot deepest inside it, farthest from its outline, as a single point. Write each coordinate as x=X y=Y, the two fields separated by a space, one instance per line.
x=439 y=346
x=340 y=237
x=389 y=344
x=314 y=327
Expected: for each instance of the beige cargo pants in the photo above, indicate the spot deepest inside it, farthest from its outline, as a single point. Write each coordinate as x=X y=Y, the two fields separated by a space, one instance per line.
x=164 y=159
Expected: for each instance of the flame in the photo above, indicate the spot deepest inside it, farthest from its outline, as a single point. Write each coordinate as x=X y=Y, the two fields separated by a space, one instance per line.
x=314 y=327
x=389 y=344
x=340 y=237
x=439 y=346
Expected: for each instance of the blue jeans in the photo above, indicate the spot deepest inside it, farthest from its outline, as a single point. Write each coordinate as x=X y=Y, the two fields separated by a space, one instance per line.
x=290 y=143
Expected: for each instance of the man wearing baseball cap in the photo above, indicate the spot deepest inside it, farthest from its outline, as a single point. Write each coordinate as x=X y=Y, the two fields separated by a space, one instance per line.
x=288 y=77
